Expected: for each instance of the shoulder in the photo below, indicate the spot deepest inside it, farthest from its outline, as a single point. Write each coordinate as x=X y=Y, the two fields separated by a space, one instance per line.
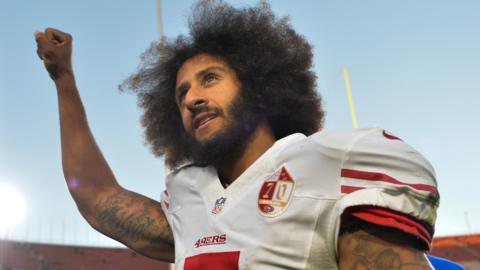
x=183 y=181
x=317 y=160
x=385 y=181
x=173 y=171
x=185 y=172
x=329 y=154
x=346 y=141
x=374 y=146
x=373 y=149
x=379 y=158
x=352 y=139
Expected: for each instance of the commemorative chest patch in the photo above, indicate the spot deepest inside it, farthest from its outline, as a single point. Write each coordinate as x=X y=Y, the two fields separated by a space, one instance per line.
x=276 y=193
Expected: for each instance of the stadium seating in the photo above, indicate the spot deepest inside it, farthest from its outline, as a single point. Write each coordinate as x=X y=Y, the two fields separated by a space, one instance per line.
x=33 y=256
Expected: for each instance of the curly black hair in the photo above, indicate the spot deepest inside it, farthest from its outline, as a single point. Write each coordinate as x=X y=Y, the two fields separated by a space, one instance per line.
x=271 y=60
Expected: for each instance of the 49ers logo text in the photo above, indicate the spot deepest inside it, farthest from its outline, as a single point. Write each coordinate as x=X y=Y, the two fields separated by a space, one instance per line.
x=211 y=240
x=276 y=193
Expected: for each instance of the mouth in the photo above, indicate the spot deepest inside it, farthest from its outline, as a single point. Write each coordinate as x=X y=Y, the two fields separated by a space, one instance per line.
x=202 y=119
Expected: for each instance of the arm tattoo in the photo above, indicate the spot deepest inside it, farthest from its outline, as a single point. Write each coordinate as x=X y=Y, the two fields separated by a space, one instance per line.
x=370 y=252
x=131 y=217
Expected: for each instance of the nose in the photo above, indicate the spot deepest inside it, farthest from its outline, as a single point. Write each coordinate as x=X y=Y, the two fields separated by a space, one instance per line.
x=194 y=99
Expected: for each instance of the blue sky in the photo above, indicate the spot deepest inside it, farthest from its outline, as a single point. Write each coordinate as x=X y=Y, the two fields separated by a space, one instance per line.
x=414 y=68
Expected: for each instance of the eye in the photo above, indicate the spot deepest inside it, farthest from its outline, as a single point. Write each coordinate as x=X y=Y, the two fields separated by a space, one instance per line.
x=209 y=78
x=181 y=94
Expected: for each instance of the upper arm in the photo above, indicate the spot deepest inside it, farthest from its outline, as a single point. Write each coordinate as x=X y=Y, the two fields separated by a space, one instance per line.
x=384 y=181
x=134 y=220
x=375 y=247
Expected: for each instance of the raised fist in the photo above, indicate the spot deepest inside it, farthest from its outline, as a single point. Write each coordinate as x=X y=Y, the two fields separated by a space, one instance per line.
x=55 y=49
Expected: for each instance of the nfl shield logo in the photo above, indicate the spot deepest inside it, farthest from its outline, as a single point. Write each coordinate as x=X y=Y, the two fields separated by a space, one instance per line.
x=219 y=203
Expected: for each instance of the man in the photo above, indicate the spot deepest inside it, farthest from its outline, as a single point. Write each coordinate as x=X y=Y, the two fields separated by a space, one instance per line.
x=253 y=184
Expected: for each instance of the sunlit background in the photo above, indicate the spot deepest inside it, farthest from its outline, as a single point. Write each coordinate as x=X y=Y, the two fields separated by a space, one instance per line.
x=414 y=69
x=12 y=208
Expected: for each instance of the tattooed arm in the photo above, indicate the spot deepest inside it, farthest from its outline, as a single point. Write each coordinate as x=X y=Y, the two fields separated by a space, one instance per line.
x=134 y=220
x=379 y=248
x=128 y=217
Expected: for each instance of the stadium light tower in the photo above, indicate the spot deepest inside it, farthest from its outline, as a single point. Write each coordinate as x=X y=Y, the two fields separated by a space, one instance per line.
x=351 y=105
x=159 y=21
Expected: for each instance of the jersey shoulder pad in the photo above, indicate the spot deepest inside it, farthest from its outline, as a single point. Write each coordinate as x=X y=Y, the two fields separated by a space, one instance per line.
x=380 y=169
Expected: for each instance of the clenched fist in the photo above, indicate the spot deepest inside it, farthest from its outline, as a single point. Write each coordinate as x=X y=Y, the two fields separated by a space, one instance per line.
x=55 y=49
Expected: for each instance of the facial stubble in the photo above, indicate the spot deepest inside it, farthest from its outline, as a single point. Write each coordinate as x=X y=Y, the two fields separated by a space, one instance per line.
x=231 y=139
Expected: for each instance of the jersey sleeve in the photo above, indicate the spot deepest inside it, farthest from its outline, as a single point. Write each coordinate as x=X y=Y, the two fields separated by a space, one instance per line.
x=165 y=203
x=170 y=198
x=386 y=182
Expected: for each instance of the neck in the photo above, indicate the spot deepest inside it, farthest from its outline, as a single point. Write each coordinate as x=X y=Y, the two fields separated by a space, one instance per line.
x=260 y=141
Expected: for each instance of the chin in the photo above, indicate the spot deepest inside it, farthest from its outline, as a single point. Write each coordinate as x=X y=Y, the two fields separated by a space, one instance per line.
x=206 y=139
x=207 y=134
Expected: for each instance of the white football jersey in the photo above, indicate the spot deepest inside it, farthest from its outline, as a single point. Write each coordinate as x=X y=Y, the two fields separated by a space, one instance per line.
x=284 y=211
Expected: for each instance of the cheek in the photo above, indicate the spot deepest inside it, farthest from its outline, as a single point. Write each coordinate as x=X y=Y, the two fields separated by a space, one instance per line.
x=186 y=121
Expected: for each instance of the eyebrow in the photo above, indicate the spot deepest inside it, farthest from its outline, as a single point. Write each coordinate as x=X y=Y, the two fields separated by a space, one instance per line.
x=204 y=72
x=199 y=75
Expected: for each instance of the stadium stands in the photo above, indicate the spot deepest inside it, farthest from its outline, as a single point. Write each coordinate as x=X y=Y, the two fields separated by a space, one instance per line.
x=32 y=256
x=465 y=250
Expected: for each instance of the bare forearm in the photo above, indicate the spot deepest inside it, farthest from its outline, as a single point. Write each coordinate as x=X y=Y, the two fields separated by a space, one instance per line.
x=126 y=216
x=85 y=169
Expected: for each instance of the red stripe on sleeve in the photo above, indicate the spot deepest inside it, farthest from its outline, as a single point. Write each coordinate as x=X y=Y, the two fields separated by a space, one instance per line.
x=390 y=136
x=349 y=189
x=393 y=219
x=375 y=176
